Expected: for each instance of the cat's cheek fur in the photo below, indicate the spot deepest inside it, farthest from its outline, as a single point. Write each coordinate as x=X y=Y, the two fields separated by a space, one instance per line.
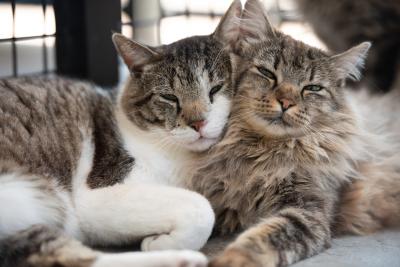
x=217 y=117
x=184 y=136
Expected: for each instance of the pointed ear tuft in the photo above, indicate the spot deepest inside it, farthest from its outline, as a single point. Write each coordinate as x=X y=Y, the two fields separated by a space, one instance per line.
x=135 y=55
x=350 y=63
x=255 y=25
x=227 y=31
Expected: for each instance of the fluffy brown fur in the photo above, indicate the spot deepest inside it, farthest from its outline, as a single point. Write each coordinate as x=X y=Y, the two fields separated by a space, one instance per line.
x=372 y=203
x=292 y=146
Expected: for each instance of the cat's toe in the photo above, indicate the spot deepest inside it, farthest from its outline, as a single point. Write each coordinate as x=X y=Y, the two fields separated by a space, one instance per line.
x=234 y=258
x=191 y=259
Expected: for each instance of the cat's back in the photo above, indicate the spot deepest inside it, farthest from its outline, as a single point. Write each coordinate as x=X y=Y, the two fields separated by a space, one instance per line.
x=44 y=97
x=43 y=122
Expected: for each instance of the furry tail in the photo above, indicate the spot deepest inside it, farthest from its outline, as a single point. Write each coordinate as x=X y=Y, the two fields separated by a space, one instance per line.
x=371 y=204
x=42 y=246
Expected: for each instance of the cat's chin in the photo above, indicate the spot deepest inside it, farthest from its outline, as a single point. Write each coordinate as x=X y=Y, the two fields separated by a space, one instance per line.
x=201 y=144
x=277 y=127
x=280 y=130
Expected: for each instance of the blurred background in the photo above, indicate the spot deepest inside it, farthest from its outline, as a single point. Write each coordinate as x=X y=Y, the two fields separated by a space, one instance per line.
x=73 y=37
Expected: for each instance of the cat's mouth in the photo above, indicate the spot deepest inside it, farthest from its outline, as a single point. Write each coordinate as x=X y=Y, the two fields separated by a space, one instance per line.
x=280 y=120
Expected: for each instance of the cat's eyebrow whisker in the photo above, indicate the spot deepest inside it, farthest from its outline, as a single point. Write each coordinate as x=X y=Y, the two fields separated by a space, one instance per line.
x=216 y=59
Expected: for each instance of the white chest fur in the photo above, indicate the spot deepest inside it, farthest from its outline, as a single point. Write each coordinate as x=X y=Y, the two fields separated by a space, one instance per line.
x=155 y=160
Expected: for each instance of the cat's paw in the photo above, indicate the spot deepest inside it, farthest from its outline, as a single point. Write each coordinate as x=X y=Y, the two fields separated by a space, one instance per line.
x=160 y=242
x=189 y=258
x=234 y=258
x=183 y=258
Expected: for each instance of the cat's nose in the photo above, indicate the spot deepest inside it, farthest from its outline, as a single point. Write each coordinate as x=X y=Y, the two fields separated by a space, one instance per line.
x=286 y=103
x=197 y=125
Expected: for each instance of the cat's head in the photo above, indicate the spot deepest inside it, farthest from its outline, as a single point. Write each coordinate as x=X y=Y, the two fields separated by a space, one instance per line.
x=182 y=91
x=285 y=87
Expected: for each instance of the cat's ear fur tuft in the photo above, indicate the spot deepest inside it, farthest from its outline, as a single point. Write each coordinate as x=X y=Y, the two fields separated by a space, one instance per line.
x=135 y=55
x=255 y=25
x=227 y=31
x=349 y=64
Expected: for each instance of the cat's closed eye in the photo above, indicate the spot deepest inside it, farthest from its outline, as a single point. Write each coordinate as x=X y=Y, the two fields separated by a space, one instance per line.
x=313 y=88
x=213 y=91
x=267 y=73
x=170 y=97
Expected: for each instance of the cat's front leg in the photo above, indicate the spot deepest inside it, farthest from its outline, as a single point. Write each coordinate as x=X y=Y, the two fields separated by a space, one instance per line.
x=289 y=236
x=162 y=217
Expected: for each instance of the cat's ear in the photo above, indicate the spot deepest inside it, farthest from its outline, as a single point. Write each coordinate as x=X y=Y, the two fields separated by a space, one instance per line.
x=349 y=64
x=255 y=25
x=227 y=31
x=135 y=55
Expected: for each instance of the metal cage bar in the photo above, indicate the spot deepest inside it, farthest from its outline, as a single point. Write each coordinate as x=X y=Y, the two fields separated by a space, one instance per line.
x=13 y=40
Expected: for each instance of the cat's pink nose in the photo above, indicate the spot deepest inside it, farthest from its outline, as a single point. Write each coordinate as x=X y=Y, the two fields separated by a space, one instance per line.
x=197 y=125
x=286 y=103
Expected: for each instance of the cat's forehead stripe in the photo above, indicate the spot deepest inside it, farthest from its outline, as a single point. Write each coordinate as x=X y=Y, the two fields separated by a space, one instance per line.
x=277 y=60
x=312 y=73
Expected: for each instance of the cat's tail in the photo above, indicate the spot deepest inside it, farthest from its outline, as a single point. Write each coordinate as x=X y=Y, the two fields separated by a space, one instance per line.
x=372 y=203
x=43 y=246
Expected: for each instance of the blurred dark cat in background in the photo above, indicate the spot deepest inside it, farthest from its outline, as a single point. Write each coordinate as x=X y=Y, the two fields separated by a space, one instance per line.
x=341 y=24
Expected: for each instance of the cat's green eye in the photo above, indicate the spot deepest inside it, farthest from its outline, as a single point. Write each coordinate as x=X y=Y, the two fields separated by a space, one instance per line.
x=265 y=72
x=313 y=87
x=170 y=97
x=213 y=91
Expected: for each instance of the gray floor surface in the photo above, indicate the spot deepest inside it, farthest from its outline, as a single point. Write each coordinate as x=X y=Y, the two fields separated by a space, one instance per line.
x=381 y=249
x=377 y=250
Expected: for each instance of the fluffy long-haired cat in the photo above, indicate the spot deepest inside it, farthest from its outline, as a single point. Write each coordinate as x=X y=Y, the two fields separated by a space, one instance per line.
x=293 y=146
x=80 y=166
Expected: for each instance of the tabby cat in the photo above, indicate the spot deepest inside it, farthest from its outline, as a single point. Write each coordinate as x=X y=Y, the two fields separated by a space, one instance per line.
x=293 y=145
x=344 y=23
x=79 y=164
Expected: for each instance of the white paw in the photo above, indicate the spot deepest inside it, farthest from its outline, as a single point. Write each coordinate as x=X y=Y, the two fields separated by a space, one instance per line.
x=160 y=242
x=183 y=258
x=186 y=258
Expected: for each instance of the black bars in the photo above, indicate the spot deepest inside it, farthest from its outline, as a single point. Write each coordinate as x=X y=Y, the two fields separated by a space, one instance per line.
x=44 y=45
x=13 y=42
